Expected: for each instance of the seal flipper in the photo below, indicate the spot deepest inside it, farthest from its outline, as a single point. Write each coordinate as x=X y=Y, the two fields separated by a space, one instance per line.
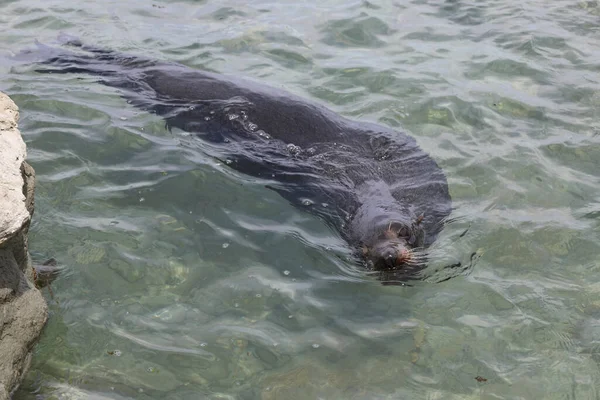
x=50 y=262
x=293 y=179
x=46 y=273
x=214 y=120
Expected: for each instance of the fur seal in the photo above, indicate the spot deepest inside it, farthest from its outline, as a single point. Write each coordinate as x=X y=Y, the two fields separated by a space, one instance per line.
x=385 y=195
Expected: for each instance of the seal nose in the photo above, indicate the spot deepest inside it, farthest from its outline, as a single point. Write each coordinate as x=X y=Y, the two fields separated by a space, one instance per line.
x=396 y=256
x=389 y=257
x=389 y=254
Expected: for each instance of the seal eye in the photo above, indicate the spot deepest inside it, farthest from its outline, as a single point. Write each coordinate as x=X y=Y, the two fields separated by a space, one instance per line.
x=403 y=232
x=388 y=234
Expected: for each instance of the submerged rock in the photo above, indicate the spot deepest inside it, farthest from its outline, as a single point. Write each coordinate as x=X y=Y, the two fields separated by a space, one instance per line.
x=23 y=311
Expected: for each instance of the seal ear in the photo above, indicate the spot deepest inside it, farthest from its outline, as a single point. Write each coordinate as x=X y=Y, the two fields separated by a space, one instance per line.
x=390 y=234
x=419 y=219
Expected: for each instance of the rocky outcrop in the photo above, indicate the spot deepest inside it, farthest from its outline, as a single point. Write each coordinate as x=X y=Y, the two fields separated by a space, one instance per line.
x=23 y=310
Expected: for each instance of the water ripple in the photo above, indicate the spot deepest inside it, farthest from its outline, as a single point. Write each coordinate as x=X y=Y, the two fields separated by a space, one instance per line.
x=209 y=284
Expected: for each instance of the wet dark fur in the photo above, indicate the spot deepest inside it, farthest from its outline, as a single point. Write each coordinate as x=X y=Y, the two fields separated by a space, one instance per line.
x=365 y=179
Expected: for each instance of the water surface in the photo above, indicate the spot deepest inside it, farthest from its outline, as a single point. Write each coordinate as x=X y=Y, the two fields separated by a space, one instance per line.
x=186 y=280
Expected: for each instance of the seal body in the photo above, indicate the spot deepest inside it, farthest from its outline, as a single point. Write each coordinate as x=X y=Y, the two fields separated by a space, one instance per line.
x=384 y=194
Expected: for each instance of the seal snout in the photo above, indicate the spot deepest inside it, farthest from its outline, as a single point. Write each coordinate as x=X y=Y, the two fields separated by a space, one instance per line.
x=393 y=246
x=389 y=254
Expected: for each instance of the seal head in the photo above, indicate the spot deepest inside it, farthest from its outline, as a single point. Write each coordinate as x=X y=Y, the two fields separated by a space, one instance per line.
x=389 y=233
x=394 y=247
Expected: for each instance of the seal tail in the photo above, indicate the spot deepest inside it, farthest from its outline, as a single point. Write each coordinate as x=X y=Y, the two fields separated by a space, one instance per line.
x=73 y=56
x=69 y=40
x=64 y=61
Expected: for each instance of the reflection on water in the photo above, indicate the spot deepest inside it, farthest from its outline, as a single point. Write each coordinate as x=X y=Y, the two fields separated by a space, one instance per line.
x=184 y=279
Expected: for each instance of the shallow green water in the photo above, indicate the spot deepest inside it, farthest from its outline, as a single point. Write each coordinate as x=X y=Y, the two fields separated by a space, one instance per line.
x=186 y=280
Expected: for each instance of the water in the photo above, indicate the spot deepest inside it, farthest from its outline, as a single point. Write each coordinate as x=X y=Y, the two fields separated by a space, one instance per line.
x=186 y=280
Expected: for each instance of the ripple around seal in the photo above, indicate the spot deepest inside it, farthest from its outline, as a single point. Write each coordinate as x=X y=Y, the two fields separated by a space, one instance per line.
x=363 y=31
x=288 y=58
